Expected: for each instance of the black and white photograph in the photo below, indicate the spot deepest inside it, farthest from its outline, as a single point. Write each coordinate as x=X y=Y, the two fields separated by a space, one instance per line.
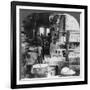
x=50 y=44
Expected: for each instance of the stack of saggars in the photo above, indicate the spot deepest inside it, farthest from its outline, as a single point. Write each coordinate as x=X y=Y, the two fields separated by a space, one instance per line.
x=40 y=70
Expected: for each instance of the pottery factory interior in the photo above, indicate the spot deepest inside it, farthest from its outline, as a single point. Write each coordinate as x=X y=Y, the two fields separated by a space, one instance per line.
x=50 y=46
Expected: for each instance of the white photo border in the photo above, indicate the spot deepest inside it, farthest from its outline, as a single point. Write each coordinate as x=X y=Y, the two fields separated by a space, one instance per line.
x=50 y=80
